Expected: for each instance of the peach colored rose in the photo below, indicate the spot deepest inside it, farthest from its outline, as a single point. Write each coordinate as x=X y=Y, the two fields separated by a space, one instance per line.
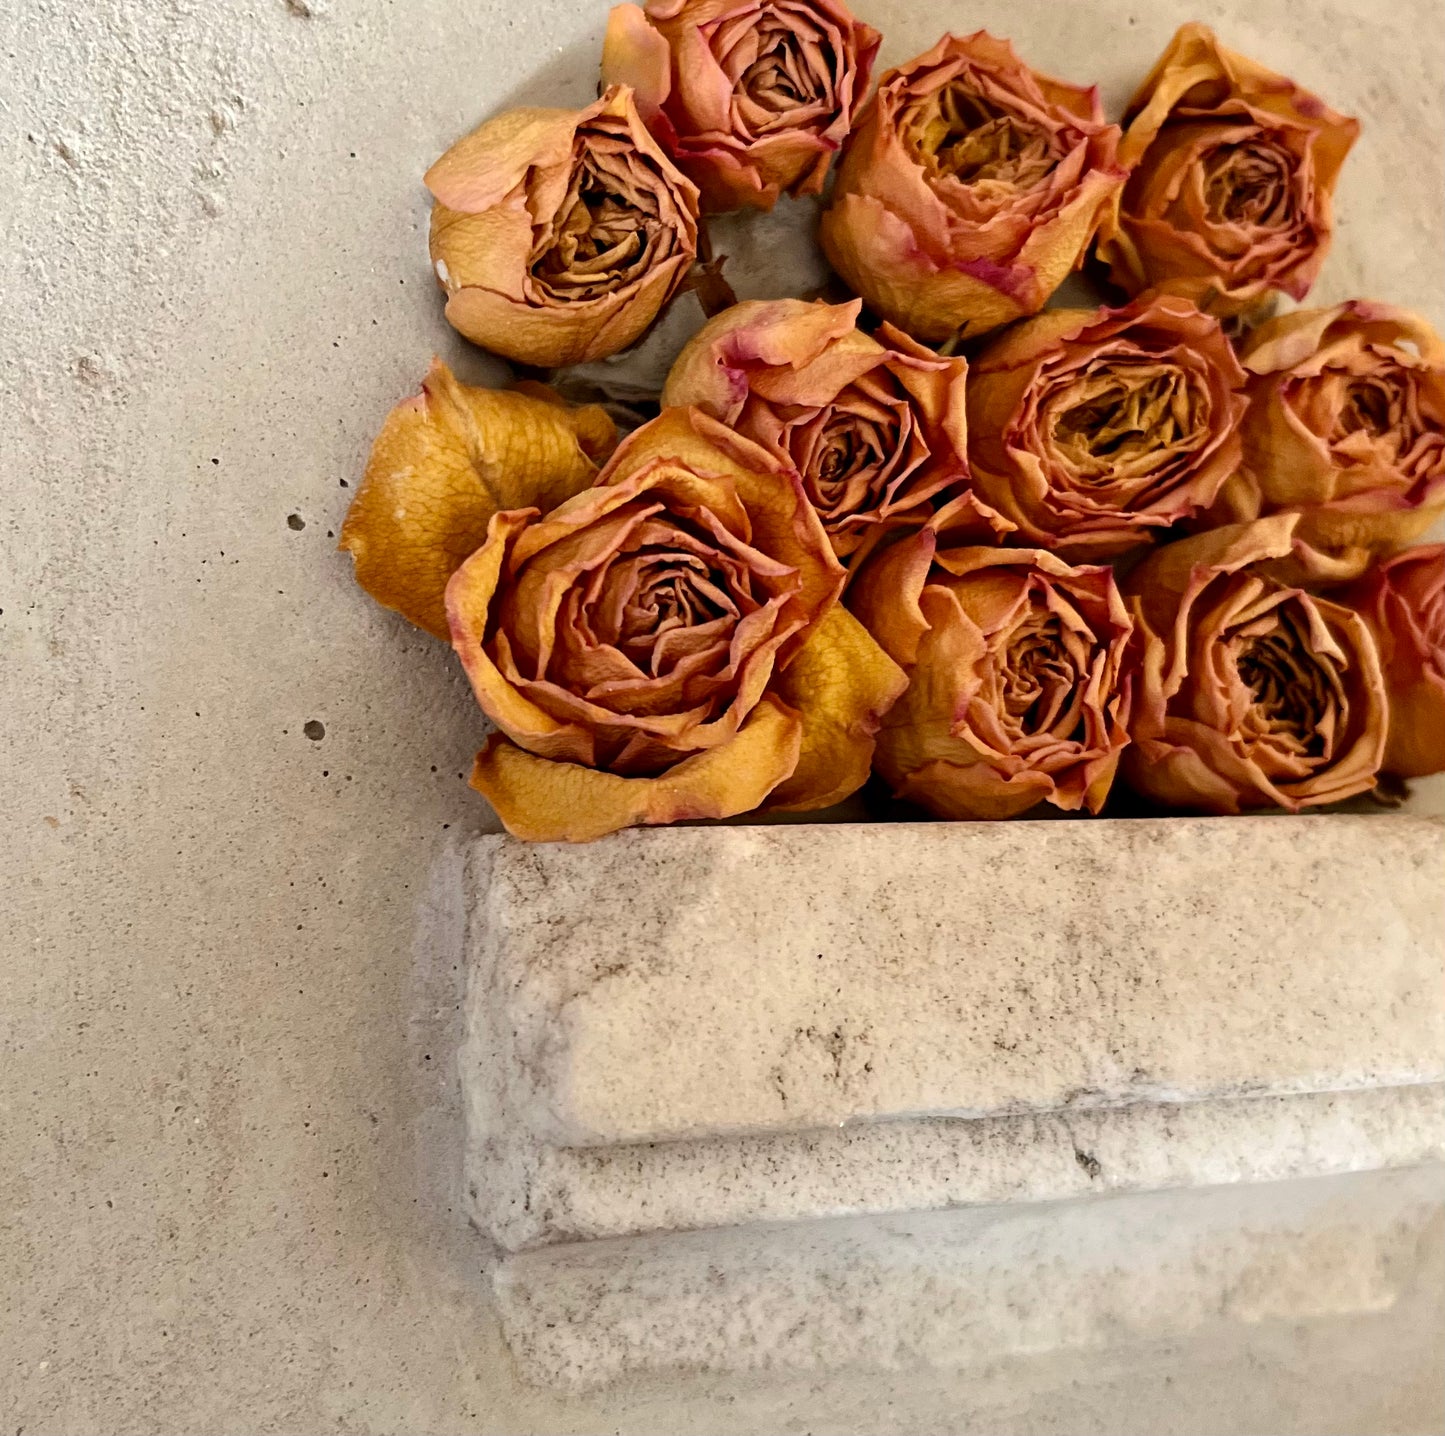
x=970 y=189
x=1232 y=192
x=558 y=235
x=1403 y=601
x=1346 y=424
x=751 y=100
x=1252 y=694
x=1019 y=677
x=636 y=645
x=1093 y=432
x=875 y=426
x=444 y=463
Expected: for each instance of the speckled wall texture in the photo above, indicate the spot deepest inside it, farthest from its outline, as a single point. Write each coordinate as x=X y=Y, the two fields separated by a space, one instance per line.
x=230 y=1171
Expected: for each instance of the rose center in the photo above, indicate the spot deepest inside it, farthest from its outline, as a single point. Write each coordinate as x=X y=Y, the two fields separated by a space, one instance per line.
x=1037 y=678
x=1294 y=691
x=1368 y=408
x=960 y=133
x=1249 y=184
x=608 y=228
x=1125 y=419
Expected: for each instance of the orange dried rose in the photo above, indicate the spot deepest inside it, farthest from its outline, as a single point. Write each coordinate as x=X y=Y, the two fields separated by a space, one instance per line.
x=636 y=645
x=1346 y=424
x=751 y=100
x=1252 y=693
x=1403 y=601
x=1019 y=677
x=875 y=426
x=1232 y=192
x=970 y=189
x=558 y=235
x=1095 y=431
x=445 y=461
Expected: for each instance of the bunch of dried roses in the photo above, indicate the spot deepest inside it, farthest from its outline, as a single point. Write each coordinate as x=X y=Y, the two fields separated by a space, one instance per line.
x=1123 y=541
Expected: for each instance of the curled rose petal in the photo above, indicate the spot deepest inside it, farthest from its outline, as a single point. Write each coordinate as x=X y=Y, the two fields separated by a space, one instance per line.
x=1092 y=432
x=1403 y=602
x=642 y=625
x=970 y=189
x=1019 y=677
x=875 y=427
x=1346 y=425
x=444 y=463
x=558 y=235
x=1232 y=192
x=751 y=100
x=546 y=802
x=1252 y=693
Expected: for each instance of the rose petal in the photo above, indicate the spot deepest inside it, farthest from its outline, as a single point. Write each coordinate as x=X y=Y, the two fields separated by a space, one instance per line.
x=443 y=464
x=544 y=801
x=841 y=683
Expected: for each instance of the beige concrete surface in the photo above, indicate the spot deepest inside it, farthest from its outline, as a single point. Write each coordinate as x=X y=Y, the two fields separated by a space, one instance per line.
x=229 y=1185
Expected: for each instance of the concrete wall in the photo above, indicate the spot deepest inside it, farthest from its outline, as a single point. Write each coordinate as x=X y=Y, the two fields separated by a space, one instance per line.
x=229 y=1187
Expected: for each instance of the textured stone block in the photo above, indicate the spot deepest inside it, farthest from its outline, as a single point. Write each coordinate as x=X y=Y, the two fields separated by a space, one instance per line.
x=949 y=1292
x=684 y=984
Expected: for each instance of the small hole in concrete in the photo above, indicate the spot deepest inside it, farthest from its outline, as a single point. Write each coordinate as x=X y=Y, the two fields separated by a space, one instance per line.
x=295 y=521
x=314 y=729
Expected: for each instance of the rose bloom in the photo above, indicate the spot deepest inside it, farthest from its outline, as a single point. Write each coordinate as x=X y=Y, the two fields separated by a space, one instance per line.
x=1346 y=424
x=750 y=100
x=1253 y=694
x=666 y=645
x=1403 y=601
x=875 y=426
x=558 y=235
x=971 y=188
x=1232 y=192
x=1094 y=431
x=1019 y=677
x=444 y=463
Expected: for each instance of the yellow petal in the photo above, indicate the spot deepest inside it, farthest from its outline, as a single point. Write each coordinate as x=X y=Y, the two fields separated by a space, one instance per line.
x=547 y=802
x=443 y=464
x=842 y=683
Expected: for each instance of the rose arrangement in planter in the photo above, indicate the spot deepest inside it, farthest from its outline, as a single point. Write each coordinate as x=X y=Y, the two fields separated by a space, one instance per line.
x=1006 y=557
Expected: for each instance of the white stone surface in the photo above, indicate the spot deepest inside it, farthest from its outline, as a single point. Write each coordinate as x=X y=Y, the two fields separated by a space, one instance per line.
x=525 y=1193
x=649 y=989
x=946 y=1291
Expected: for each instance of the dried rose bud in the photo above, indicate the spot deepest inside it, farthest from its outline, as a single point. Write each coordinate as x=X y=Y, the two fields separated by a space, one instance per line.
x=751 y=100
x=1403 y=601
x=1252 y=694
x=1019 y=677
x=875 y=426
x=444 y=463
x=1346 y=425
x=970 y=189
x=1094 y=431
x=666 y=645
x=1232 y=192
x=558 y=235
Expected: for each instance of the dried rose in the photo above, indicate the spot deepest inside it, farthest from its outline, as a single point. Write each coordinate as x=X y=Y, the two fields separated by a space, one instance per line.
x=558 y=235
x=1346 y=424
x=751 y=100
x=1019 y=680
x=970 y=189
x=1232 y=192
x=1095 y=431
x=444 y=463
x=637 y=645
x=875 y=427
x=1252 y=693
x=1403 y=601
